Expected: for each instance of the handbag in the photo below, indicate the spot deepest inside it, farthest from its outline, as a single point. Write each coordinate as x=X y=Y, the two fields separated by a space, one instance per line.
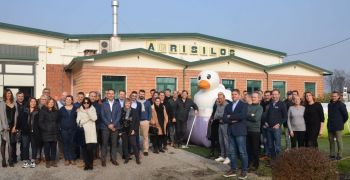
x=153 y=130
x=80 y=136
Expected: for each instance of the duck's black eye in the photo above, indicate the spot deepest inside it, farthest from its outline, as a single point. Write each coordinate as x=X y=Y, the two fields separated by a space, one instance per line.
x=199 y=78
x=208 y=76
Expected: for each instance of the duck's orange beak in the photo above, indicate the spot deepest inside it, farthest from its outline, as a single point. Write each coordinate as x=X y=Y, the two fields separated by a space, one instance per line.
x=203 y=84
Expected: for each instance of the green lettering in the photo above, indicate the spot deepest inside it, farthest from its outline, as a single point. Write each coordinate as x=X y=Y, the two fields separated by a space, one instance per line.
x=222 y=52
x=151 y=47
x=183 y=48
x=212 y=51
x=194 y=49
x=173 y=48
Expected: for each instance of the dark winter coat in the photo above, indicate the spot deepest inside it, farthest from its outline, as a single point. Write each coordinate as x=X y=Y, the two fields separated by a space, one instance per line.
x=48 y=124
x=337 y=116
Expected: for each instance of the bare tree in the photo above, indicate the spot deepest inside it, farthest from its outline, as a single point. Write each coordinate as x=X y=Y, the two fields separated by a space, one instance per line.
x=338 y=80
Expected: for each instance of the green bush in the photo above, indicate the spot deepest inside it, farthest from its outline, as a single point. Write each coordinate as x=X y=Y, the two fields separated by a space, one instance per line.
x=303 y=163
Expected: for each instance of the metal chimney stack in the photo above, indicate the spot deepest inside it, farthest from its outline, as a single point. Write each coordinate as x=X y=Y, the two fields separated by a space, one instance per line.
x=115 y=6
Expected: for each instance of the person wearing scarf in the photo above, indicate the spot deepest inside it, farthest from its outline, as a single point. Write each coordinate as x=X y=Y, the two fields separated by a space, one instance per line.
x=159 y=120
x=130 y=123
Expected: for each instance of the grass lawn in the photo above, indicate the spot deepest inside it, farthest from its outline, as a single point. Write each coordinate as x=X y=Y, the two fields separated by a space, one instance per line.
x=343 y=165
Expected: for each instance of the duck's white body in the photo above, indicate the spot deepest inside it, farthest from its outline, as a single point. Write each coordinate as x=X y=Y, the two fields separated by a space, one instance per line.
x=209 y=87
x=205 y=99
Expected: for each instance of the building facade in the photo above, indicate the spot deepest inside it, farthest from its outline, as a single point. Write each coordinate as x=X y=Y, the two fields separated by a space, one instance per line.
x=32 y=59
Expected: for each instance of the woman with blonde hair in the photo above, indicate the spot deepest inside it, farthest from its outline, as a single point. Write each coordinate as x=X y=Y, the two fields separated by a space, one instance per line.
x=314 y=118
x=296 y=123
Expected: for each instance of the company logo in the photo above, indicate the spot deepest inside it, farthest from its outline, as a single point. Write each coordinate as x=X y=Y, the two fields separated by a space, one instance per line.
x=189 y=49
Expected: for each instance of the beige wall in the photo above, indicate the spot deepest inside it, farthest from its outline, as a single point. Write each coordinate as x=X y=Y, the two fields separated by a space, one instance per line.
x=224 y=66
x=137 y=61
x=250 y=54
x=294 y=70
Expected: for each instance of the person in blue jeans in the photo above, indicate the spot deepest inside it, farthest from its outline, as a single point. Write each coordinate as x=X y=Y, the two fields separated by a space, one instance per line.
x=235 y=115
x=276 y=116
x=68 y=127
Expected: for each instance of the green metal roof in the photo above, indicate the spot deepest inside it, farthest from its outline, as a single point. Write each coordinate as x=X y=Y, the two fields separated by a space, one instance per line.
x=53 y=33
x=138 y=36
x=302 y=63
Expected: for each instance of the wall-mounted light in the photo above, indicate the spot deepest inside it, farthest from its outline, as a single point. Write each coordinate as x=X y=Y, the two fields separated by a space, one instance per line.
x=49 y=50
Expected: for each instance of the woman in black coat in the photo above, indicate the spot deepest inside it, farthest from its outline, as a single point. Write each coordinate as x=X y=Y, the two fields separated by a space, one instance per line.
x=130 y=124
x=28 y=124
x=49 y=126
x=314 y=118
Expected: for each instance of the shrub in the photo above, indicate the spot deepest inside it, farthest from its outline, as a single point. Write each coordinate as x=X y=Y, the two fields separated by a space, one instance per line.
x=303 y=163
x=325 y=98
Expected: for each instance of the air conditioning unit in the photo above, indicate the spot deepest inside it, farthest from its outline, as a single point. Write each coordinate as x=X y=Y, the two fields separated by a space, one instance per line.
x=104 y=46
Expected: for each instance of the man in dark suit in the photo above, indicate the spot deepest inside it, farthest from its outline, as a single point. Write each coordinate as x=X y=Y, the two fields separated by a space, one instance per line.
x=136 y=105
x=97 y=106
x=121 y=97
x=235 y=115
x=110 y=114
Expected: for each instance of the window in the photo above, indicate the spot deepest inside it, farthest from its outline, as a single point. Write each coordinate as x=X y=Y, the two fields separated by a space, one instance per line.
x=194 y=86
x=228 y=83
x=166 y=83
x=310 y=86
x=113 y=82
x=281 y=86
x=253 y=85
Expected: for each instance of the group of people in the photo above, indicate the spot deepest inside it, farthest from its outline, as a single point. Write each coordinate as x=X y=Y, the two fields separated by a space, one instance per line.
x=251 y=126
x=90 y=127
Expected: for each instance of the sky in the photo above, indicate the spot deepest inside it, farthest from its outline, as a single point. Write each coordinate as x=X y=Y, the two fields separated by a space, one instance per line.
x=290 y=26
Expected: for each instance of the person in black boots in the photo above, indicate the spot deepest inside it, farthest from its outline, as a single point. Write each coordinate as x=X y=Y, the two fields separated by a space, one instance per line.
x=130 y=123
x=159 y=120
x=49 y=128
x=86 y=120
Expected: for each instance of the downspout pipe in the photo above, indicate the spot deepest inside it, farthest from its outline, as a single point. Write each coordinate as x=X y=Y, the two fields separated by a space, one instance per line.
x=267 y=79
x=183 y=76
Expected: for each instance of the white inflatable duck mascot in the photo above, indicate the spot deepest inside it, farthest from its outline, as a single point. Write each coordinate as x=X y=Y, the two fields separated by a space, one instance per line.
x=209 y=86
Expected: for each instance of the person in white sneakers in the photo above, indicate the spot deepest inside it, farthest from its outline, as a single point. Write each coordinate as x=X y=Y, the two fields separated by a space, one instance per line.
x=218 y=113
x=28 y=125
